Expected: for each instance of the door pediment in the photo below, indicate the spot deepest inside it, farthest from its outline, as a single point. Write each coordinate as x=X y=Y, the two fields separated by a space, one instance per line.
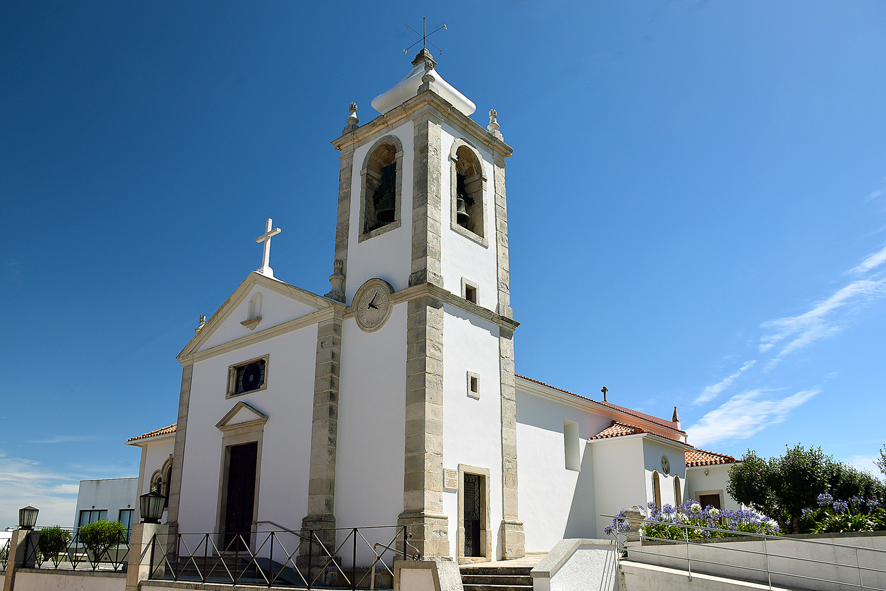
x=242 y=415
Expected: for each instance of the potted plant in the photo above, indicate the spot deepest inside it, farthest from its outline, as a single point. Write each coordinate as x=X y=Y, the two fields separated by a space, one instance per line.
x=99 y=536
x=53 y=543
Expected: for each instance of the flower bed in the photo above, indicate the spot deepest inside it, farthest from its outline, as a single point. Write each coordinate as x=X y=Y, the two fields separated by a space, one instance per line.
x=855 y=515
x=690 y=519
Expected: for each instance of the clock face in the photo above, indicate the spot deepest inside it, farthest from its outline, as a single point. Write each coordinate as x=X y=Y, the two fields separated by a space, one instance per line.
x=372 y=304
x=665 y=465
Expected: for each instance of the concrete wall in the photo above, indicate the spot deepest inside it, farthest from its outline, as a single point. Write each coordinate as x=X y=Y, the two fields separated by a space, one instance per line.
x=154 y=455
x=42 y=580
x=371 y=425
x=388 y=255
x=110 y=494
x=789 y=561
x=620 y=480
x=555 y=502
x=714 y=482
x=471 y=427
x=285 y=451
x=577 y=565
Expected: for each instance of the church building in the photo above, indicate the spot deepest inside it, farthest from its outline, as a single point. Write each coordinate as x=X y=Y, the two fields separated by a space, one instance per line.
x=393 y=398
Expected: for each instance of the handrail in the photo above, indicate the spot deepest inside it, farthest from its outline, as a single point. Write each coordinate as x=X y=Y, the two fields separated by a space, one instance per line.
x=621 y=539
x=278 y=526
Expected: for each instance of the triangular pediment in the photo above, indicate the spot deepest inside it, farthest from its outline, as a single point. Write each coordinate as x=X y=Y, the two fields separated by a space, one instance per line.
x=282 y=302
x=240 y=415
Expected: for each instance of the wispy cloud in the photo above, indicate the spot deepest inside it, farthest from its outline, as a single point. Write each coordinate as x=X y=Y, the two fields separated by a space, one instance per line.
x=870 y=263
x=743 y=416
x=714 y=390
x=873 y=195
x=865 y=463
x=64 y=439
x=822 y=320
x=24 y=481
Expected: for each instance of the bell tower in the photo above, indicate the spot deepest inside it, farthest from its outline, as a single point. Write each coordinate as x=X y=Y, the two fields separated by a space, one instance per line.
x=421 y=231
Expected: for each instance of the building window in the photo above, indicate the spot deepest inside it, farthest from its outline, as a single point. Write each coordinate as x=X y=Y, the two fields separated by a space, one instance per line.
x=468 y=187
x=125 y=518
x=90 y=516
x=470 y=291
x=570 y=445
x=247 y=377
x=678 y=494
x=656 y=489
x=474 y=385
x=381 y=188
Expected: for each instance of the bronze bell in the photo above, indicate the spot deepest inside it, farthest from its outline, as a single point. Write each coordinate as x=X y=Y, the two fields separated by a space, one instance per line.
x=462 y=217
x=385 y=212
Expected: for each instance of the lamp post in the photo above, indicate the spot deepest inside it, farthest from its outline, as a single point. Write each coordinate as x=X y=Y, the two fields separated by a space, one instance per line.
x=150 y=506
x=27 y=517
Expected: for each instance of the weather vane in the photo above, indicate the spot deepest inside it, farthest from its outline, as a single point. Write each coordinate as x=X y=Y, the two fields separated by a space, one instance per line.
x=424 y=37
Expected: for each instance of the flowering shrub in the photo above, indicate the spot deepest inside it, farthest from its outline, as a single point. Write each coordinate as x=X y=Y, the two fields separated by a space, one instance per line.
x=663 y=523
x=856 y=514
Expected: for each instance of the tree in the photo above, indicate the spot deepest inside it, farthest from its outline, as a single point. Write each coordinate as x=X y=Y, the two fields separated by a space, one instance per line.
x=781 y=487
x=881 y=463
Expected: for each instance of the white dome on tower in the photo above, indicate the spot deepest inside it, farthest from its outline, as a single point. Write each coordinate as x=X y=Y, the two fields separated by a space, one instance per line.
x=408 y=87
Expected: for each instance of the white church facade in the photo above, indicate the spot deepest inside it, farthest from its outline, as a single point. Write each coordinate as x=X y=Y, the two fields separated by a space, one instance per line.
x=393 y=399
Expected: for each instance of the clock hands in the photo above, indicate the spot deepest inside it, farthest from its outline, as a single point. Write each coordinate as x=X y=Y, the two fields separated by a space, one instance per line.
x=371 y=302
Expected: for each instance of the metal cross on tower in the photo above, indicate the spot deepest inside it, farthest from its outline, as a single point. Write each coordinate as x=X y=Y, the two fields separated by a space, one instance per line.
x=266 y=257
x=424 y=36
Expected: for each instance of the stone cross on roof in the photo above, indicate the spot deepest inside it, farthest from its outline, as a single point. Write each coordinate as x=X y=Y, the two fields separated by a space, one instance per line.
x=266 y=257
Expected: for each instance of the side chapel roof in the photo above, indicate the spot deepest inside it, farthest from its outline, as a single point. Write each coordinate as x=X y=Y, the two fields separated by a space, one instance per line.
x=700 y=457
x=158 y=432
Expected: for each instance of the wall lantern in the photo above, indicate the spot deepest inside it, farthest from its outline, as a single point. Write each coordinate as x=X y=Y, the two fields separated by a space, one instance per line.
x=27 y=517
x=150 y=506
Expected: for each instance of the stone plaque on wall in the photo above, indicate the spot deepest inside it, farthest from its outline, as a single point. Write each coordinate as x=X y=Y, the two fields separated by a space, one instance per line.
x=450 y=479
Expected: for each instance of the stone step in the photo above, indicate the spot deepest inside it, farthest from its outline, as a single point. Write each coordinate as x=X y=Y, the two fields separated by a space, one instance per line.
x=495 y=579
x=496 y=570
x=498 y=587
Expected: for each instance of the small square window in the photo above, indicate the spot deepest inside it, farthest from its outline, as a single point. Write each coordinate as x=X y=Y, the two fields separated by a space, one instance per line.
x=469 y=291
x=473 y=385
x=247 y=377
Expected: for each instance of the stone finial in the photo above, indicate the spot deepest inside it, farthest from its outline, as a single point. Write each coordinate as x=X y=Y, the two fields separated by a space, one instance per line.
x=493 y=126
x=337 y=279
x=604 y=389
x=352 y=123
x=676 y=417
x=201 y=323
x=424 y=57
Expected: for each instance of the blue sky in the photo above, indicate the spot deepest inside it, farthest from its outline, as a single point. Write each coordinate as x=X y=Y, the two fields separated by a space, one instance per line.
x=697 y=204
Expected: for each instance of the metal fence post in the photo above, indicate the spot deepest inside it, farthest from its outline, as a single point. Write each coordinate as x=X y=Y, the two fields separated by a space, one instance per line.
x=354 y=562
x=768 y=573
x=858 y=568
x=688 y=561
x=310 y=555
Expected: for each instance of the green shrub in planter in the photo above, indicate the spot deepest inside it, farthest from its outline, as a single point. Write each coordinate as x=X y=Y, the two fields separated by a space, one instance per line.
x=53 y=542
x=99 y=536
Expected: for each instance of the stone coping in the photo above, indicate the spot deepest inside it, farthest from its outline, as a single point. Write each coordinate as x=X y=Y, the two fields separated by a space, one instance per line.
x=73 y=573
x=563 y=551
x=833 y=536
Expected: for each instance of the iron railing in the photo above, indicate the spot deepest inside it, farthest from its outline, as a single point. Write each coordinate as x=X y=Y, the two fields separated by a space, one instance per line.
x=76 y=555
x=4 y=554
x=766 y=554
x=277 y=556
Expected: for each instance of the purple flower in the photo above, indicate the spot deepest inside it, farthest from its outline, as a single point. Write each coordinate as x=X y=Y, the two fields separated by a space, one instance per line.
x=825 y=499
x=841 y=507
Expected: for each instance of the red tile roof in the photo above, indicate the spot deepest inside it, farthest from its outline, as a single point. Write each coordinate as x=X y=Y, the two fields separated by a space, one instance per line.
x=617 y=429
x=700 y=457
x=163 y=431
x=634 y=413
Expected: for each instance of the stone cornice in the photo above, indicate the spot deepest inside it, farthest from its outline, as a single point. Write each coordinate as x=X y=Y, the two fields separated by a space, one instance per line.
x=446 y=297
x=428 y=100
x=268 y=333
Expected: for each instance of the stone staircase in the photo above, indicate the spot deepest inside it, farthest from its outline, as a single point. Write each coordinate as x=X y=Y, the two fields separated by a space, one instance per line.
x=496 y=578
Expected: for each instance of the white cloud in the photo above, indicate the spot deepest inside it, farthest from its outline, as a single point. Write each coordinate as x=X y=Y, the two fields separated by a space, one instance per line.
x=871 y=262
x=23 y=481
x=865 y=463
x=873 y=195
x=819 y=322
x=64 y=439
x=743 y=416
x=711 y=392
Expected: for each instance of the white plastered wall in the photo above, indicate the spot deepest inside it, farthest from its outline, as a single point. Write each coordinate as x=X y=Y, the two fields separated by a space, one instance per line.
x=276 y=309
x=388 y=255
x=154 y=455
x=461 y=256
x=619 y=477
x=371 y=427
x=111 y=494
x=285 y=458
x=555 y=502
x=471 y=426
x=653 y=451
x=715 y=481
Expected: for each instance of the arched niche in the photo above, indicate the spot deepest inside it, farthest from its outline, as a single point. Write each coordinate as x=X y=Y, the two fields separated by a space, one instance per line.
x=381 y=188
x=467 y=191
